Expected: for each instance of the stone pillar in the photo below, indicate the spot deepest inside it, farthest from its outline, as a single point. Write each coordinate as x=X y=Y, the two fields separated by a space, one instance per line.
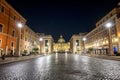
x=6 y=50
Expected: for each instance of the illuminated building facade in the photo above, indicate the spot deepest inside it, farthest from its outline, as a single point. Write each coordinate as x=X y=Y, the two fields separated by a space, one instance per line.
x=31 y=40
x=76 y=43
x=47 y=44
x=98 y=38
x=61 y=46
x=9 y=19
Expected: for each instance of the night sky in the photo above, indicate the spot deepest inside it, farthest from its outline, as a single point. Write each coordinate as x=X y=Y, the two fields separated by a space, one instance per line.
x=66 y=17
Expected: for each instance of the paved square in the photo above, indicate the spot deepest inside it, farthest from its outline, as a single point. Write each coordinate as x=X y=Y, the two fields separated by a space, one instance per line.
x=61 y=67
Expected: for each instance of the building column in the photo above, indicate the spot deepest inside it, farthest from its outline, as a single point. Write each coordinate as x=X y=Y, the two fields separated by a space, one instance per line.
x=110 y=42
x=6 y=50
x=118 y=34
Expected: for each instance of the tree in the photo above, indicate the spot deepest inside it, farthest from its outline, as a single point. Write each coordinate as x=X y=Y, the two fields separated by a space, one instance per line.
x=91 y=51
x=36 y=50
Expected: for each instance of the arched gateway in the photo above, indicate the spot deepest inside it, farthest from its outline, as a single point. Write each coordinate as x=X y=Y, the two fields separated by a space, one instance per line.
x=61 y=46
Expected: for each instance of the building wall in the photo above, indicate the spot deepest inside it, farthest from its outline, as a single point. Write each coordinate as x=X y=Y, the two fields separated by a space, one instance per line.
x=9 y=19
x=49 y=48
x=61 y=47
x=31 y=39
x=98 y=37
x=74 y=47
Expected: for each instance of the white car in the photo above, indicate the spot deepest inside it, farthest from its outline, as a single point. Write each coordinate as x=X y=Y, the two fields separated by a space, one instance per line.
x=25 y=54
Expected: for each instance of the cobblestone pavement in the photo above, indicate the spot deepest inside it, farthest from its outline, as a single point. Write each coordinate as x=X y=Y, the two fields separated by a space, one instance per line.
x=117 y=58
x=61 y=67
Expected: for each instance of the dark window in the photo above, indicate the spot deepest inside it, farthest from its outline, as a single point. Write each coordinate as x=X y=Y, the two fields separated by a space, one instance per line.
x=98 y=25
x=0 y=27
x=14 y=17
x=46 y=42
x=12 y=44
x=118 y=15
x=13 y=33
x=107 y=18
x=111 y=15
x=3 y=9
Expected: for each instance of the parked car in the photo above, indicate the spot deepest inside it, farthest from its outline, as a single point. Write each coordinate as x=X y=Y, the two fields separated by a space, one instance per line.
x=25 y=54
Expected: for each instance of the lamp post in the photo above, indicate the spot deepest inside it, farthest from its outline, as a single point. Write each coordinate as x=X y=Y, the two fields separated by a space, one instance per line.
x=41 y=39
x=84 y=39
x=109 y=25
x=19 y=38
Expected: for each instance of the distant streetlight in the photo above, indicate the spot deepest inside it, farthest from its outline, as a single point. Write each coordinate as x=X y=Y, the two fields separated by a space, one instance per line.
x=20 y=25
x=41 y=39
x=109 y=25
x=19 y=38
x=84 y=39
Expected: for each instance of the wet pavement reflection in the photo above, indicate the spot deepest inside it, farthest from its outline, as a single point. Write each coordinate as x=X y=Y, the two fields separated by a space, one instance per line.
x=61 y=67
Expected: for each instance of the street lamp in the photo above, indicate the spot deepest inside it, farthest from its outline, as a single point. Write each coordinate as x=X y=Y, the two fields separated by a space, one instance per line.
x=84 y=39
x=19 y=37
x=41 y=39
x=20 y=25
x=109 y=25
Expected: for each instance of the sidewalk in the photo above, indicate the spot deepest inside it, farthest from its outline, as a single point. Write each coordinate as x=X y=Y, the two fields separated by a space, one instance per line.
x=117 y=58
x=14 y=59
